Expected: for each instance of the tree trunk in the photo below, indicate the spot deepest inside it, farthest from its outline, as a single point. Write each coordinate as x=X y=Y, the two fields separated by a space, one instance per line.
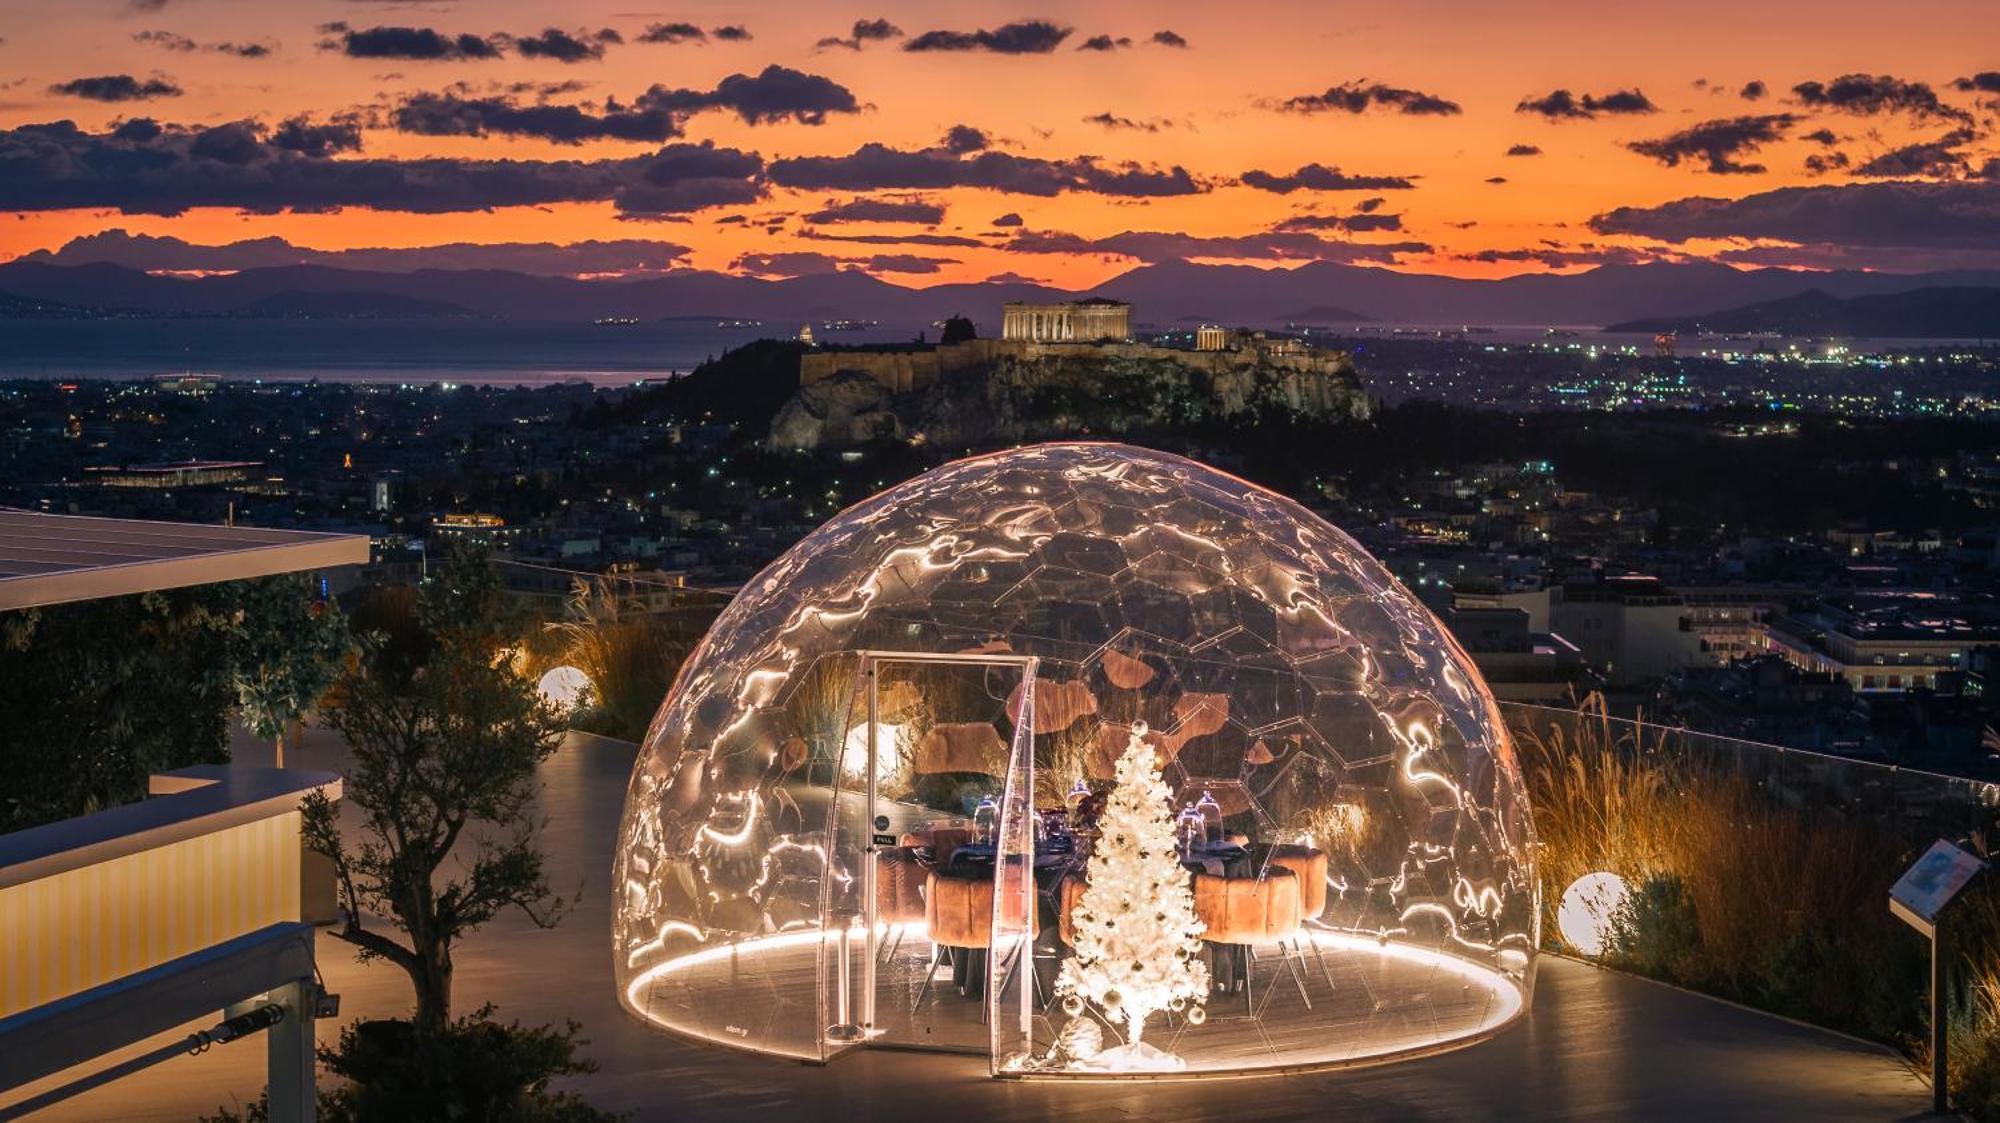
x=432 y=976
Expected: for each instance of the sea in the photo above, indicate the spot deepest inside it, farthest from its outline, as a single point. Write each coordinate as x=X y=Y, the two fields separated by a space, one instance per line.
x=518 y=353
x=466 y=352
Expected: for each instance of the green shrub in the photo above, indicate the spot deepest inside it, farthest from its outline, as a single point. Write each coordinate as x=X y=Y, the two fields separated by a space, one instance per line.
x=477 y=1070
x=1655 y=932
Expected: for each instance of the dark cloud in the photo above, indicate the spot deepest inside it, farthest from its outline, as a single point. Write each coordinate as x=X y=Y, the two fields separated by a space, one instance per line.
x=1556 y=256
x=865 y=31
x=1821 y=163
x=153 y=253
x=166 y=41
x=1022 y=37
x=1104 y=43
x=169 y=41
x=964 y=138
x=732 y=33
x=236 y=143
x=322 y=138
x=1984 y=82
x=1877 y=93
x=453 y=114
x=1936 y=159
x=144 y=167
x=1822 y=137
x=1011 y=218
x=1115 y=122
x=1352 y=223
x=894 y=239
x=904 y=263
x=1753 y=90
x=880 y=210
x=1367 y=206
x=682 y=178
x=1523 y=150
x=876 y=166
x=1313 y=222
x=809 y=264
x=421 y=44
x=1559 y=105
x=562 y=46
x=1915 y=215
x=1496 y=180
x=1320 y=177
x=1354 y=97
x=1153 y=246
x=1893 y=260
x=1167 y=38
x=776 y=94
x=794 y=264
x=1718 y=144
x=116 y=87
x=673 y=33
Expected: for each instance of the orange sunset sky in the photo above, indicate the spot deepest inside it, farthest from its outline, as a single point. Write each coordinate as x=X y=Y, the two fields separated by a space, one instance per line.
x=1257 y=88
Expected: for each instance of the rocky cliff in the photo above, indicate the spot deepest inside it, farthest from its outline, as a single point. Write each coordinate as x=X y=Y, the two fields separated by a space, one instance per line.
x=989 y=391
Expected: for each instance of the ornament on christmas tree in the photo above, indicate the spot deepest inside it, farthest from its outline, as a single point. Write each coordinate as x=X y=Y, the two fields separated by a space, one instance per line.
x=1130 y=969
x=1081 y=1040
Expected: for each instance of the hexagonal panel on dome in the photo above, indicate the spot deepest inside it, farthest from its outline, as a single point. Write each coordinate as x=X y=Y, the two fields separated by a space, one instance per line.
x=1237 y=713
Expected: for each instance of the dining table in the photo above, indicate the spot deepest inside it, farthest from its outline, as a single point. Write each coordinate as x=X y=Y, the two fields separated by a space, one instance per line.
x=1229 y=964
x=1054 y=857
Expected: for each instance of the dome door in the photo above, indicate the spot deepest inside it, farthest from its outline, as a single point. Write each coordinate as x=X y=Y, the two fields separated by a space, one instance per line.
x=936 y=783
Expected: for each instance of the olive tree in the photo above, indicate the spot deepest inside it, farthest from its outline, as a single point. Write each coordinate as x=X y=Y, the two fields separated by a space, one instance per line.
x=445 y=735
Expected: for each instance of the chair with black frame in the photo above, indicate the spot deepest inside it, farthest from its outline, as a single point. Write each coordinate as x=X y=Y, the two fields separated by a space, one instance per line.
x=959 y=912
x=1247 y=911
x=1310 y=866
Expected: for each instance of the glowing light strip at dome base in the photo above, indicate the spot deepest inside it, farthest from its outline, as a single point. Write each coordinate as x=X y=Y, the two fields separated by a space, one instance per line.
x=1506 y=1005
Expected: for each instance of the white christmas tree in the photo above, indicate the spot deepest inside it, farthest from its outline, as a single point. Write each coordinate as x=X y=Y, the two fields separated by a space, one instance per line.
x=1138 y=941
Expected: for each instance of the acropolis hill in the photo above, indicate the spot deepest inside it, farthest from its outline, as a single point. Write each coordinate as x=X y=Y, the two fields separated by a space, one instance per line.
x=1005 y=389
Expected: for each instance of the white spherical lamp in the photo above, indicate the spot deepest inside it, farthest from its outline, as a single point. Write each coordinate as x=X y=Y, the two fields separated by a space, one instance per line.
x=565 y=687
x=854 y=756
x=1589 y=906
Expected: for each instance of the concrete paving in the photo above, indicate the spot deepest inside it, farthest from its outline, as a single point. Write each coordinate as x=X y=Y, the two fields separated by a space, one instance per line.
x=1597 y=1046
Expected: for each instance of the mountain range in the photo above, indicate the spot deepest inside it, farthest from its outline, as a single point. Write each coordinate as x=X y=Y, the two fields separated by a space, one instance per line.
x=1931 y=313
x=1164 y=296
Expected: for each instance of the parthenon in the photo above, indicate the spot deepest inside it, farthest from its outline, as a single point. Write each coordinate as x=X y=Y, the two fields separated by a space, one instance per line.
x=1073 y=321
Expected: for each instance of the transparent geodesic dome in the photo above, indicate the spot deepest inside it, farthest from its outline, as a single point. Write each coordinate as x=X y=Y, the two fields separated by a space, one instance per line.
x=834 y=833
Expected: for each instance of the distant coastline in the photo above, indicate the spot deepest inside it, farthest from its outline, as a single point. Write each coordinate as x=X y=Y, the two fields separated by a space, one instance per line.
x=526 y=353
x=487 y=352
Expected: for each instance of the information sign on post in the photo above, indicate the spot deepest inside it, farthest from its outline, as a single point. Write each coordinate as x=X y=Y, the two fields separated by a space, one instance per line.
x=1920 y=897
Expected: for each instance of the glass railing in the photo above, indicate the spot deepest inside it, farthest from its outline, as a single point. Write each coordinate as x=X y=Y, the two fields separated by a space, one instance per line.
x=1911 y=805
x=1755 y=872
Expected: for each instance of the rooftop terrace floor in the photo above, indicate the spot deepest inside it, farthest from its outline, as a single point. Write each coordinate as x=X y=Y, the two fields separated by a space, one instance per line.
x=1597 y=1045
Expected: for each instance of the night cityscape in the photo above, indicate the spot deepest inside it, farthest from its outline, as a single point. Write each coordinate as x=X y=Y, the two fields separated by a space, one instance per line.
x=1157 y=563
